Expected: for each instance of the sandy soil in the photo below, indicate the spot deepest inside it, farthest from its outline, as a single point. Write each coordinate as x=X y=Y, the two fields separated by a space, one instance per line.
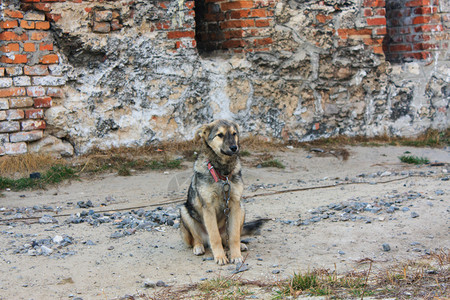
x=96 y=266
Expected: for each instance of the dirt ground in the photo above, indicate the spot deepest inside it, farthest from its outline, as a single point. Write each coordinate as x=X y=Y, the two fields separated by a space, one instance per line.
x=404 y=206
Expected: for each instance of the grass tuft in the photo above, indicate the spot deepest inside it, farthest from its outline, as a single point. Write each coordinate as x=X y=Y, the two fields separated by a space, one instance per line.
x=411 y=159
x=56 y=174
x=272 y=163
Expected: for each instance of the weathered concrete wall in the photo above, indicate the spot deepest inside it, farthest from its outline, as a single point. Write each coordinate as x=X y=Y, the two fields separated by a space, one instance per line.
x=130 y=73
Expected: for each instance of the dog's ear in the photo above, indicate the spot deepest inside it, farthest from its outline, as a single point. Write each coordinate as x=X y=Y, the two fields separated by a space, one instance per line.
x=202 y=133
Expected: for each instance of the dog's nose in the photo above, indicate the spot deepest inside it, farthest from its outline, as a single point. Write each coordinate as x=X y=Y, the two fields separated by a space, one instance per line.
x=233 y=148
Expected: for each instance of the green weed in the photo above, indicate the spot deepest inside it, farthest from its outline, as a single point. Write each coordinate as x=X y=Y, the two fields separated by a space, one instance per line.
x=273 y=163
x=411 y=159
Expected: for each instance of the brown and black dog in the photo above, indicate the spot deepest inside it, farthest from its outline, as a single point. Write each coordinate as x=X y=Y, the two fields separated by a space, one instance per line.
x=213 y=214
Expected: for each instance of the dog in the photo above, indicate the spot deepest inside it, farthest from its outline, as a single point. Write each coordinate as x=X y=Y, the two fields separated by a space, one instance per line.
x=213 y=214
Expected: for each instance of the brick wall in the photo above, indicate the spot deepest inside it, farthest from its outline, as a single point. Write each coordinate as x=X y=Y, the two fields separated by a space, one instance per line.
x=404 y=30
x=415 y=29
x=29 y=76
x=236 y=25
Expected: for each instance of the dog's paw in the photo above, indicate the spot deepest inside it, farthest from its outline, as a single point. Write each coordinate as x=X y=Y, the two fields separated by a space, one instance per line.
x=244 y=247
x=221 y=259
x=237 y=260
x=198 y=250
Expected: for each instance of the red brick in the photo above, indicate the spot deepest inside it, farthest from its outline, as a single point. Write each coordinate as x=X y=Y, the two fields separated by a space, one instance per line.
x=12 y=92
x=376 y=21
x=180 y=34
x=421 y=20
x=42 y=25
x=425 y=46
x=49 y=59
x=39 y=35
x=13 y=14
x=237 y=24
x=56 y=92
x=9 y=126
x=11 y=47
x=12 y=36
x=234 y=34
x=190 y=44
x=258 y=13
x=45 y=46
x=36 y=70
x=236 y=5
x=380 y=12
x=233 y=44
x=16 y=59
x=15 y=114
x=239 y=14
x=29 y=125
x=374 y=3
x=422 y=11
x=35 y=91
x=381 y=31
x=9 y=24
x=53 y=17
x=263 y=41
x=419 y=55
x=323 y=18
x=43 y=102
x=400 y=48
x=34 y=113
x=378 y=49
x=15 y=148
x=371 y=42
x=417 y=3
x=368 y=12
x=428 y=28
x=21 y=102
x=29 y=47
x=28 y=136
x=42 y=7
x=27 y=24
x=262 y=23
x=14 y=71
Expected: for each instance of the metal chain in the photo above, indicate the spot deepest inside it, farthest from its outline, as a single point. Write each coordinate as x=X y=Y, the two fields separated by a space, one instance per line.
x=226 y=195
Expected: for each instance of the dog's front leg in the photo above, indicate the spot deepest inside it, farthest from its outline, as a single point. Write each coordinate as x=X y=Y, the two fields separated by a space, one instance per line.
x=235 y=220
x=215 y=241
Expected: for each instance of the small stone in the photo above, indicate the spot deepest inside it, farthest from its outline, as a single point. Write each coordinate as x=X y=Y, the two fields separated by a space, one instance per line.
x=160 y=283
x=341 y=252
x=149 y=284
x=276 y=271
x=240 y=267
x=58 y=239
x=46 y=250
x=386 y=173
x=386 y=247
x=414 y=214
x=46 y=219
x=116 y=235
x=111 y=248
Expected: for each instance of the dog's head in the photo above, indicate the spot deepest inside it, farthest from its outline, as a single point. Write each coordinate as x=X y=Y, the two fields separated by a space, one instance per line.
x=221 y=136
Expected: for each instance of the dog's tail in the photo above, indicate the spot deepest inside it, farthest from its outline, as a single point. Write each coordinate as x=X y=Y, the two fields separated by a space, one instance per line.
x=253 y=226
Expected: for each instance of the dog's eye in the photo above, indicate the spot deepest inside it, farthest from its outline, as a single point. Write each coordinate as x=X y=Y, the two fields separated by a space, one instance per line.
x=234 y=133
x=220 y=135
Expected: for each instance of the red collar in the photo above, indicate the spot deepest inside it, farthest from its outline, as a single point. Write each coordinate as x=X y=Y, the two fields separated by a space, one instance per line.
x=216 y=175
